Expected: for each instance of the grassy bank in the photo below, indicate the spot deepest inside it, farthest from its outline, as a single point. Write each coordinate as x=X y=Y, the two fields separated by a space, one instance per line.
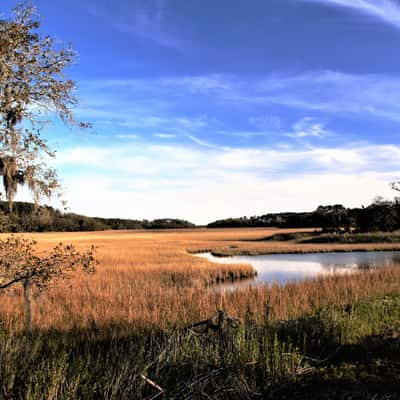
x=120 y=333
x=356 y=347
x=343 y=238
x=306 y=241
x=375 y=237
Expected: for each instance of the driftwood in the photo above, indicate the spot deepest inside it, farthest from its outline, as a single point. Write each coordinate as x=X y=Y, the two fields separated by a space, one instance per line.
x=217 y=323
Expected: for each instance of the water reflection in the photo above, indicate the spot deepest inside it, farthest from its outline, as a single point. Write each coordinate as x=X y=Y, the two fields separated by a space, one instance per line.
x=283 y=268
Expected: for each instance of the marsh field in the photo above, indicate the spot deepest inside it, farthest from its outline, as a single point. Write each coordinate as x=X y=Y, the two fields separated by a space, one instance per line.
x=127 y=331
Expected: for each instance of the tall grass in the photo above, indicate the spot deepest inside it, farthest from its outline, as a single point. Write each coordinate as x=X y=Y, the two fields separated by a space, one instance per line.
x=150 y=280
x=96 y=337
x=249 y=362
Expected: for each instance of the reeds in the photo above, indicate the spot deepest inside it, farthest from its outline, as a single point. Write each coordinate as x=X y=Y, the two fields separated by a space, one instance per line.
x=150 y=280
x=107 y=336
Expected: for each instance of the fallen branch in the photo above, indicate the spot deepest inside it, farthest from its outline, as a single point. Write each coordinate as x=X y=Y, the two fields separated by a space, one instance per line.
x=217 y=322
x=316 y=363
x=152 y=383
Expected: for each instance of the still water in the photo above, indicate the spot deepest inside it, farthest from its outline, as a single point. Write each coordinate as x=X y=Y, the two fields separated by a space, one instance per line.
x=283 y=268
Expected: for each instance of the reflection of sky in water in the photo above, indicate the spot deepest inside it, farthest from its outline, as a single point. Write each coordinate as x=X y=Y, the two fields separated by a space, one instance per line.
x=283 y=268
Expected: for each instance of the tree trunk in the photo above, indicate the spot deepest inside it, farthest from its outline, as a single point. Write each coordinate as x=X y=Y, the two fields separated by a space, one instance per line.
x=28 y=304
x=10 y=184
x=10 y=203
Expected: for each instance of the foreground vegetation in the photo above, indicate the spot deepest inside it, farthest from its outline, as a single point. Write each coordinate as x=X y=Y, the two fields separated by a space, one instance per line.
x=333 y=352
x=122 y=333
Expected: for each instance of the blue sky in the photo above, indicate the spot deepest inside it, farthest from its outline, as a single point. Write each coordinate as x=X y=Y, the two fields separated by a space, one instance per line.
x=210 y=109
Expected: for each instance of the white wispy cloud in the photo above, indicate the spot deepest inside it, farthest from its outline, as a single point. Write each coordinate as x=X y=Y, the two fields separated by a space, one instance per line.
x=203 y=201
x=160 y=103
x=245 y=134
x=203 y=143
x=385 y=10
x=266 y=121
x=203 y=183
x=127 y=136
x=200 y=84
x=329 y=91
x=327 y=94
x=164 y=135
x=144 y=19
x=308 y=127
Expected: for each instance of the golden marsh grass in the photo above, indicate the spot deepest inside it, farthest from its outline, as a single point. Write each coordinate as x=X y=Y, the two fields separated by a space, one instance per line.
x=149 y=279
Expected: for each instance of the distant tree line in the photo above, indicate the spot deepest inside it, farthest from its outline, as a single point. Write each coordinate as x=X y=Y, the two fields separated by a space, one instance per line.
x=381 y=215
x=28 y=218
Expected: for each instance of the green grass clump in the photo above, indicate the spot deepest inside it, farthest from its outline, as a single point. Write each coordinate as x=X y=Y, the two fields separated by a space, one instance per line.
x=341 y=238
x=351 y=238
x=286 y=237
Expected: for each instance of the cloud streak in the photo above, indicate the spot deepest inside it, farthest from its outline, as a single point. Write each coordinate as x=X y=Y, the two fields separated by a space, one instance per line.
x=308 y=127
x=233 y=111
x=322 y=90
x=385 y=10
x=334 y=92
x=145 y=20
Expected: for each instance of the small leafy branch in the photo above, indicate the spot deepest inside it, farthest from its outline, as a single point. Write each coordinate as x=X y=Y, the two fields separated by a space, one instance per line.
x=395 y=186
x=20 y=264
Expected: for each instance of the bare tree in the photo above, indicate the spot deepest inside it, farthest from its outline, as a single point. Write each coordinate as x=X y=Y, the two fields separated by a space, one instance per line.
x=32 y=86
x=21 y=264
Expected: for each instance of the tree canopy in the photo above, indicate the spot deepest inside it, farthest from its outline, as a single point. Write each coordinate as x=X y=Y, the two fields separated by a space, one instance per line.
x=32 y=87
